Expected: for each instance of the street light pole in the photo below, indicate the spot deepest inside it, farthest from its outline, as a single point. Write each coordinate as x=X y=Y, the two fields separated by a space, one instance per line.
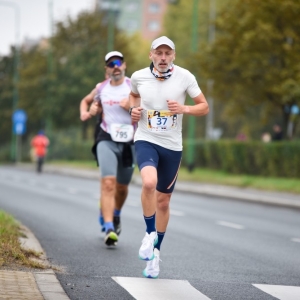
x=16 y=70
x=192 y=119
x=210 y=100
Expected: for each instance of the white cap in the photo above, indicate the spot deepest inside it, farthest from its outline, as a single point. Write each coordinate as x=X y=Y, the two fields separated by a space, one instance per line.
x=163 y=40
x=112 y=54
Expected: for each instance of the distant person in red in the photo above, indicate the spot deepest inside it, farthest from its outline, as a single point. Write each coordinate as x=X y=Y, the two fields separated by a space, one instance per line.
x=40 y=143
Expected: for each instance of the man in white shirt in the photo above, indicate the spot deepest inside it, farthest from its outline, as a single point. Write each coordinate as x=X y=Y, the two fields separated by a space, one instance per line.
x=157 y=103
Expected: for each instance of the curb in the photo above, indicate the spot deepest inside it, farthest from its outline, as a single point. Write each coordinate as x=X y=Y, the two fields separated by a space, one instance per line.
x=46 y=280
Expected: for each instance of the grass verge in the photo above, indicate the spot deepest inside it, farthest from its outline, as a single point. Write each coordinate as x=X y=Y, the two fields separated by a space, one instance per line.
x=11 y=252
x=275 y=184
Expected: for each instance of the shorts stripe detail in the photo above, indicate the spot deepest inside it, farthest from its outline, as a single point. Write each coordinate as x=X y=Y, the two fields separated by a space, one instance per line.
x=174 y=177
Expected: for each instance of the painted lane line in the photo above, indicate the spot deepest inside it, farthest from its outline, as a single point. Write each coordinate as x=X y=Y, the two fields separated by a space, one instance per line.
x=150 y=289
x=281 y=292
x=177 y=213
x=296 y=240
x=231 y=225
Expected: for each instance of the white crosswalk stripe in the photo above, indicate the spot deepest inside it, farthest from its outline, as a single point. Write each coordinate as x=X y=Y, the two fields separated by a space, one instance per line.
x=157 y=289
x=167 y=289
x=281 y=292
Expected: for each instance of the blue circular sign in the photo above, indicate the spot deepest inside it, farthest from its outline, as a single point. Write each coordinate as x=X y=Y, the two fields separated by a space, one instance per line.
x=19 y=116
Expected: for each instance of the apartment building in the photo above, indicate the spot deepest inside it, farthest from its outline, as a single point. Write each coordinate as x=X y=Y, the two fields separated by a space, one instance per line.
x=144 y=16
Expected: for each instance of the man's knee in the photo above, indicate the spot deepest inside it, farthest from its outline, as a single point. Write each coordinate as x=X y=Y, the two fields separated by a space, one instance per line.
x=108 y=184
x=149 y=185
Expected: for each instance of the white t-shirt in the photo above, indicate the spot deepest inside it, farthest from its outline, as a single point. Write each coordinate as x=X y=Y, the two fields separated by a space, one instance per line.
x=110 y=100
x=157 y=125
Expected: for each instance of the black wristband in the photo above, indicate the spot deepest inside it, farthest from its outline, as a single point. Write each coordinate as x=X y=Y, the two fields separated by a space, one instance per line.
x=130 y=109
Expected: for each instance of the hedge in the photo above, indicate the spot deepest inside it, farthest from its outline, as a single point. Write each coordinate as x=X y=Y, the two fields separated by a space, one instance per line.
x=277 y=159
x=274 y=159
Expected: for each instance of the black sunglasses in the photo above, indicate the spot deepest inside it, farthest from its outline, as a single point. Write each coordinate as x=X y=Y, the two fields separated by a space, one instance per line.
x=115 y=62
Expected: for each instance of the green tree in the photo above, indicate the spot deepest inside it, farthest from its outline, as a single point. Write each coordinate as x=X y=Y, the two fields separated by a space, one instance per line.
x=33 y=87
x=254 y=59
x=6 y=97
x=76 y=59
x=189 y=29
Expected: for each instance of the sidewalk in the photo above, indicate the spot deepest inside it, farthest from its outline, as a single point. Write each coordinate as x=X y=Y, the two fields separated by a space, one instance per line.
x=35 y=285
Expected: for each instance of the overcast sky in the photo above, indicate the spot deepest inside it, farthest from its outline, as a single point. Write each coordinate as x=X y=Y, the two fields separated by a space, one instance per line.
x=34 y=18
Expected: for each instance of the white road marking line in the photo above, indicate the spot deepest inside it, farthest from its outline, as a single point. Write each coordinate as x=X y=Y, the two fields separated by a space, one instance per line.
x=157 y=289
x=177 y=213
x=281 y=292
x=296 y=240
x=231 y=225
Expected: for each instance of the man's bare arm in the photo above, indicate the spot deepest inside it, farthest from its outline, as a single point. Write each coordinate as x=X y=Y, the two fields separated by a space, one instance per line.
x=85 y=104
x=88 y=107
x=135 y=102
x=199 y=109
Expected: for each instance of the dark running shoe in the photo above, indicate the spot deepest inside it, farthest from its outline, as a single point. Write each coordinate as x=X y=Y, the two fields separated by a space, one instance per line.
x=117 y=225
x=111 y=238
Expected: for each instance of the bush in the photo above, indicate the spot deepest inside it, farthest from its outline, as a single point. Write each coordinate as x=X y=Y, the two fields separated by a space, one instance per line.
x=280 y=159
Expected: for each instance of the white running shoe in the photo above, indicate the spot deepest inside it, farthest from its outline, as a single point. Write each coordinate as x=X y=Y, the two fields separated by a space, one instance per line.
x=152 y=267
x=148 y=243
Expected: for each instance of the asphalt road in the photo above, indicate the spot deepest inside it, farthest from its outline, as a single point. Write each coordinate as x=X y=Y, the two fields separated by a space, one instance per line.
x=214 y=248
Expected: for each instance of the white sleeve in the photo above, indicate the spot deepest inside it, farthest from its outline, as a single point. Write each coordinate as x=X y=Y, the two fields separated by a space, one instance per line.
x=97 y=95
x=133 y=82
x=193 y=88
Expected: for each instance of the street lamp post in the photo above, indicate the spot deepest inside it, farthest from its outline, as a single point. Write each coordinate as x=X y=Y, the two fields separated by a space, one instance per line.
x=192 y=119
x=211 y=37
x=16 y=69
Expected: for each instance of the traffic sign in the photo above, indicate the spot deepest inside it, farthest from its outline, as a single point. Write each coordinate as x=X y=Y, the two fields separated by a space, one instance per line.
x=19 y=116
x=19 y=128
x=19 y=119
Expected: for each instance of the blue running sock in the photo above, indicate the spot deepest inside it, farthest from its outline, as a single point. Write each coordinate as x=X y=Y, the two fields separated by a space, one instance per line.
x=101 y=221
x=109 y=225
x=117 y=212
x=160 y=237
x=150 y=223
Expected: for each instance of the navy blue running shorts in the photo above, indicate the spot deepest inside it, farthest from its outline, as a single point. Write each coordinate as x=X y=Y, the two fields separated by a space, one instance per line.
x=166 y=162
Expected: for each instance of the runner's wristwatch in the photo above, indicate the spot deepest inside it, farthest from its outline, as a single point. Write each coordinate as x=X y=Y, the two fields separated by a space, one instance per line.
x=130 y=109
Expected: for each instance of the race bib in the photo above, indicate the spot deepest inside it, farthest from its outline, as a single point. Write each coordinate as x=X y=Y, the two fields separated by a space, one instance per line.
x=161 y=120
x=121 y=132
